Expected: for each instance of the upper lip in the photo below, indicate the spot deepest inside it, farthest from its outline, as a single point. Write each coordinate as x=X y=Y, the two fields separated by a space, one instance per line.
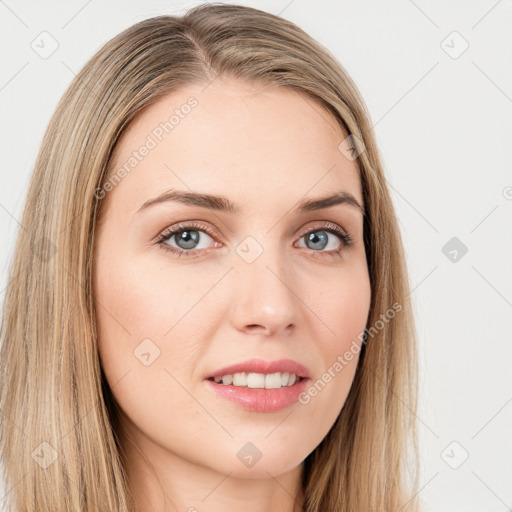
x=262 y=366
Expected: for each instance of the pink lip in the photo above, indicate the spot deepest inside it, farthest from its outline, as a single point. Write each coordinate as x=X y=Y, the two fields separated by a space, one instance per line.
x=262 y=366
x=261 y=400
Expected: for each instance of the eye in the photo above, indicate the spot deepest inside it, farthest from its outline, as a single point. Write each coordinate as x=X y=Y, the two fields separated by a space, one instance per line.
x=318 y=238
x=188 y=235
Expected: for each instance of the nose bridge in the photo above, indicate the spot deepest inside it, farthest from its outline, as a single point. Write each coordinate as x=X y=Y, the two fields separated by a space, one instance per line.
x=265 y=286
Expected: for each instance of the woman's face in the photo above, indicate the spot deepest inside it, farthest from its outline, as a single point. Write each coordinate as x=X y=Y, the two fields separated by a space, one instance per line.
x=270 y=281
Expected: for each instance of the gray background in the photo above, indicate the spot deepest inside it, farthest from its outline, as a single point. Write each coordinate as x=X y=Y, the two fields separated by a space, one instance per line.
x=443 y=120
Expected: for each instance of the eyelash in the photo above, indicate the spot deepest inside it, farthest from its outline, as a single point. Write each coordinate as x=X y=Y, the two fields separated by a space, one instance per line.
x=329 y=227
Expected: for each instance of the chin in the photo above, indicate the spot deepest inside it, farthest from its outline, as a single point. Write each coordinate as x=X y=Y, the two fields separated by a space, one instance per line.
x=260 y=471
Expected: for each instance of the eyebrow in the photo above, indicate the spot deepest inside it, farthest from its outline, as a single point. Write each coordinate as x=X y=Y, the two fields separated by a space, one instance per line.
x=223 y=204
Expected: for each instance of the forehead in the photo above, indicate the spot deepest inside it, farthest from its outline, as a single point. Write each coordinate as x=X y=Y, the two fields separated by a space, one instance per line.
x=229 y=137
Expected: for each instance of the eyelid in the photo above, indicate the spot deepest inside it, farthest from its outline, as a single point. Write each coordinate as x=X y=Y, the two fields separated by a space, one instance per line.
x=331 y=227
x=323 y=224
x=183 y=226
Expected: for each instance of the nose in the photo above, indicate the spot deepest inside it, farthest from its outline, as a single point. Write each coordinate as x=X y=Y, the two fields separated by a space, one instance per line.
x=264 y=299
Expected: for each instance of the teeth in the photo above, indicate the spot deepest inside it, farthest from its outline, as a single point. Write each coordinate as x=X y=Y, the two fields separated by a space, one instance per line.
x=255 y=380
x=273 y=381
x=258 y=380
x=239 y=379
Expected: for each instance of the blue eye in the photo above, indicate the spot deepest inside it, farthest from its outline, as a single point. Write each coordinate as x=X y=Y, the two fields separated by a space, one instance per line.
x=318 y=239
x=187 y=236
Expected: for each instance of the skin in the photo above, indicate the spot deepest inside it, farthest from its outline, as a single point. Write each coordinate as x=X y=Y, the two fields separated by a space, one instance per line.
x=265 y=149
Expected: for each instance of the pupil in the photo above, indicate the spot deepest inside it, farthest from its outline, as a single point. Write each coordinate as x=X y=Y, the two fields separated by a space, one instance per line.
x=189 y=238
x=313 y=237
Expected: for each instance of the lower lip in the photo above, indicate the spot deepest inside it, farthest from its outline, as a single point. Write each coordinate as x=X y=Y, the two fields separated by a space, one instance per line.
x=260 y=400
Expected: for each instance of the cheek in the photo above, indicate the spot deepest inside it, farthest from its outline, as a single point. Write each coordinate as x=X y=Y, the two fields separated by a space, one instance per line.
x=343 y=309
x=135 y=302
x=147 y=325
x=145 y=371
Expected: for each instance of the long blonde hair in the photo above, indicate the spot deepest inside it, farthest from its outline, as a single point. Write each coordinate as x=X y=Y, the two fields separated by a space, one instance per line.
x=59 y=445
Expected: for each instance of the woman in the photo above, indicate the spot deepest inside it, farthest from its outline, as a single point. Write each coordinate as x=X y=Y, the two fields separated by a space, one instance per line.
x=209 y=306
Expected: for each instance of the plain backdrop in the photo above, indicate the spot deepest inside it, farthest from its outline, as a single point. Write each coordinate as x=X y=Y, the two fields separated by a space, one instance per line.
x=437 y=79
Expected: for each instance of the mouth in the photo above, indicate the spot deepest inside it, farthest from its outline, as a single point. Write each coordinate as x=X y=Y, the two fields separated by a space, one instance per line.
x=259 y=399
x=260 y=386
x=253 y=380
x=254 y=369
